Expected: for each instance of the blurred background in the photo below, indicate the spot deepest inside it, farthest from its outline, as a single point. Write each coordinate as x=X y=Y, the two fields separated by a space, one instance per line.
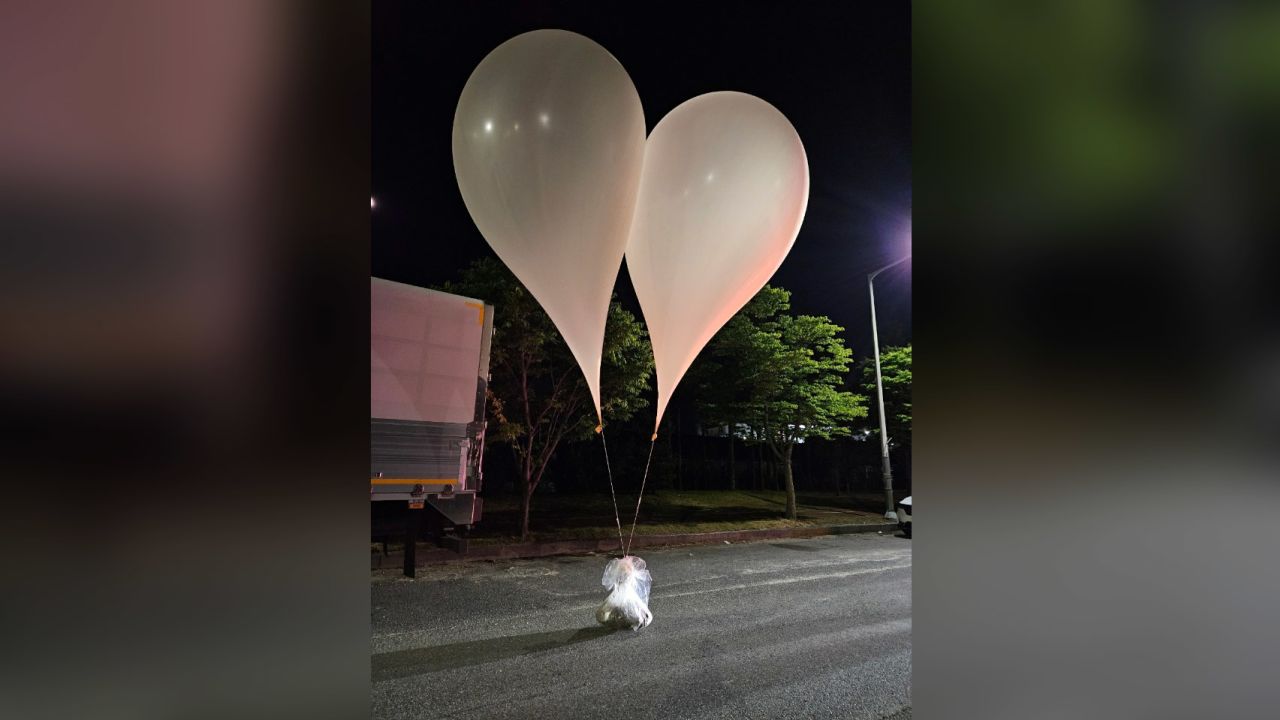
x=183 y=294
x=1098 y=358
x=185 y=252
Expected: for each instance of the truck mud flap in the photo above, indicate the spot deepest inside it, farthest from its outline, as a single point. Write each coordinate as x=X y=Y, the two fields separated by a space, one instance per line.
x=463 y=508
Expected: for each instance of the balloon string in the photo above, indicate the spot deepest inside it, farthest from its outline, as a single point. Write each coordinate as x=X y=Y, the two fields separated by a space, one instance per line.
x=627 y=550
x=608 y=469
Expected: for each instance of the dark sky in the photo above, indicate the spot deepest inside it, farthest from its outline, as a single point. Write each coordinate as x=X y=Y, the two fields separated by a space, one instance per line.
x=841 y=72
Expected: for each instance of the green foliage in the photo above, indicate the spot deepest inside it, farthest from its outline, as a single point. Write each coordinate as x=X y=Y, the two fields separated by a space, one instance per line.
x=895 y=374
x=627 y=368
x=778 y=375
x=537 y=394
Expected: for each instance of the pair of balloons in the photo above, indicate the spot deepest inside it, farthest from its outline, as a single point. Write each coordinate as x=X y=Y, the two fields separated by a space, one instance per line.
x=550 y=153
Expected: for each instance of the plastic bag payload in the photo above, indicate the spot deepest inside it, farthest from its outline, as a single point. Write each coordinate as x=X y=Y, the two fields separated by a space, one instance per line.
x=628 y=581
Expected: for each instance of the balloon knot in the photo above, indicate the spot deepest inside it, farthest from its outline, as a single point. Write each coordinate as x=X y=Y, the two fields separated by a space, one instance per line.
x=654 y=438
x=599 y=428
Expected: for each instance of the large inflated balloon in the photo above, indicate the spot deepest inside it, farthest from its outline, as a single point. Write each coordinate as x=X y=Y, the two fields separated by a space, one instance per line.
x=722 y=195
x=548 y=141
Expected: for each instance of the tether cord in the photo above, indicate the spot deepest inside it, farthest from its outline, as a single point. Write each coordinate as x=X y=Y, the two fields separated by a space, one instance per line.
x=627 y=549
x=616 y=518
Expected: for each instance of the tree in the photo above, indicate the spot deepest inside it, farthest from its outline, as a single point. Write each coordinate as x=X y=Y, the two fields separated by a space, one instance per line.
x=775 y=379
x=895 y=374
x=537 y=395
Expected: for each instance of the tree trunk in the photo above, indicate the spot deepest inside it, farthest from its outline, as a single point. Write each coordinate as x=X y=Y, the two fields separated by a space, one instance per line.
x=790 y=482
x=526 y=490
x=671 y=451
x=705 y=475
x=733 y=469
x=679 y=453
x=524 y=511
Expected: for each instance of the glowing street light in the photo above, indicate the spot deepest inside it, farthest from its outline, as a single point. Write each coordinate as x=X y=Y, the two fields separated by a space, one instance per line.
x=889 y=512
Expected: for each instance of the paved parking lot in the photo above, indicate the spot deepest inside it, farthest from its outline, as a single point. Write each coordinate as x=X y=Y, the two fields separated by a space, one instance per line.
x=799 y=628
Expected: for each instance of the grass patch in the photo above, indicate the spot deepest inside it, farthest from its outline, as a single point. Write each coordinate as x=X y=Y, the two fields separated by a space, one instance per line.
x=588 y=517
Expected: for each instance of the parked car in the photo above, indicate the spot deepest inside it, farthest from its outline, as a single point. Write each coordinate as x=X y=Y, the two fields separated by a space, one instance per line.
x=904 y=516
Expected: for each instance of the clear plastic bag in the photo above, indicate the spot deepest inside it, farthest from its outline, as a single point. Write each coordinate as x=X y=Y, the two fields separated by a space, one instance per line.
x=628 y=581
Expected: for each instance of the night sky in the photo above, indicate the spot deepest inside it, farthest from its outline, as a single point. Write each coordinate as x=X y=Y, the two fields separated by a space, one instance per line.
x=841 y=72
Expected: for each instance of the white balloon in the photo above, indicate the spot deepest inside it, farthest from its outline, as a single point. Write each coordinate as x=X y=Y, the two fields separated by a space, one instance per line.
x=548 y=142
x=722 y=196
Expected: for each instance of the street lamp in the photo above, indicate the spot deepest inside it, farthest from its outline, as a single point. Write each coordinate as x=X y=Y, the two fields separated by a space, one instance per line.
x=889 y=512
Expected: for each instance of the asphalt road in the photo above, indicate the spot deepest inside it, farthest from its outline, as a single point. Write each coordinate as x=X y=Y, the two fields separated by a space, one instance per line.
x=815 y=628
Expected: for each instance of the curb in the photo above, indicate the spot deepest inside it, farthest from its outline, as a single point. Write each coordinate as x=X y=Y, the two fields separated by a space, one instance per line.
x=433 y=556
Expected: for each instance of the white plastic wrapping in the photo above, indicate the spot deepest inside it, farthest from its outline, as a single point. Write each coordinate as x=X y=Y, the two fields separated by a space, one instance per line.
x=628 y=581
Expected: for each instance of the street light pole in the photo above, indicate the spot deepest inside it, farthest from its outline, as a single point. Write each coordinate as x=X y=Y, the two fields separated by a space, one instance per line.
x=887 y=473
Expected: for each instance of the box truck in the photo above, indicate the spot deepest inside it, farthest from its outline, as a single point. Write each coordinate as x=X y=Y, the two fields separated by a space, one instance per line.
x=428 y=372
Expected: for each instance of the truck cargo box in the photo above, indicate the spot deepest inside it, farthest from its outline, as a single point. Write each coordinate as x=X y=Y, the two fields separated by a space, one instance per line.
x=429 y=369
